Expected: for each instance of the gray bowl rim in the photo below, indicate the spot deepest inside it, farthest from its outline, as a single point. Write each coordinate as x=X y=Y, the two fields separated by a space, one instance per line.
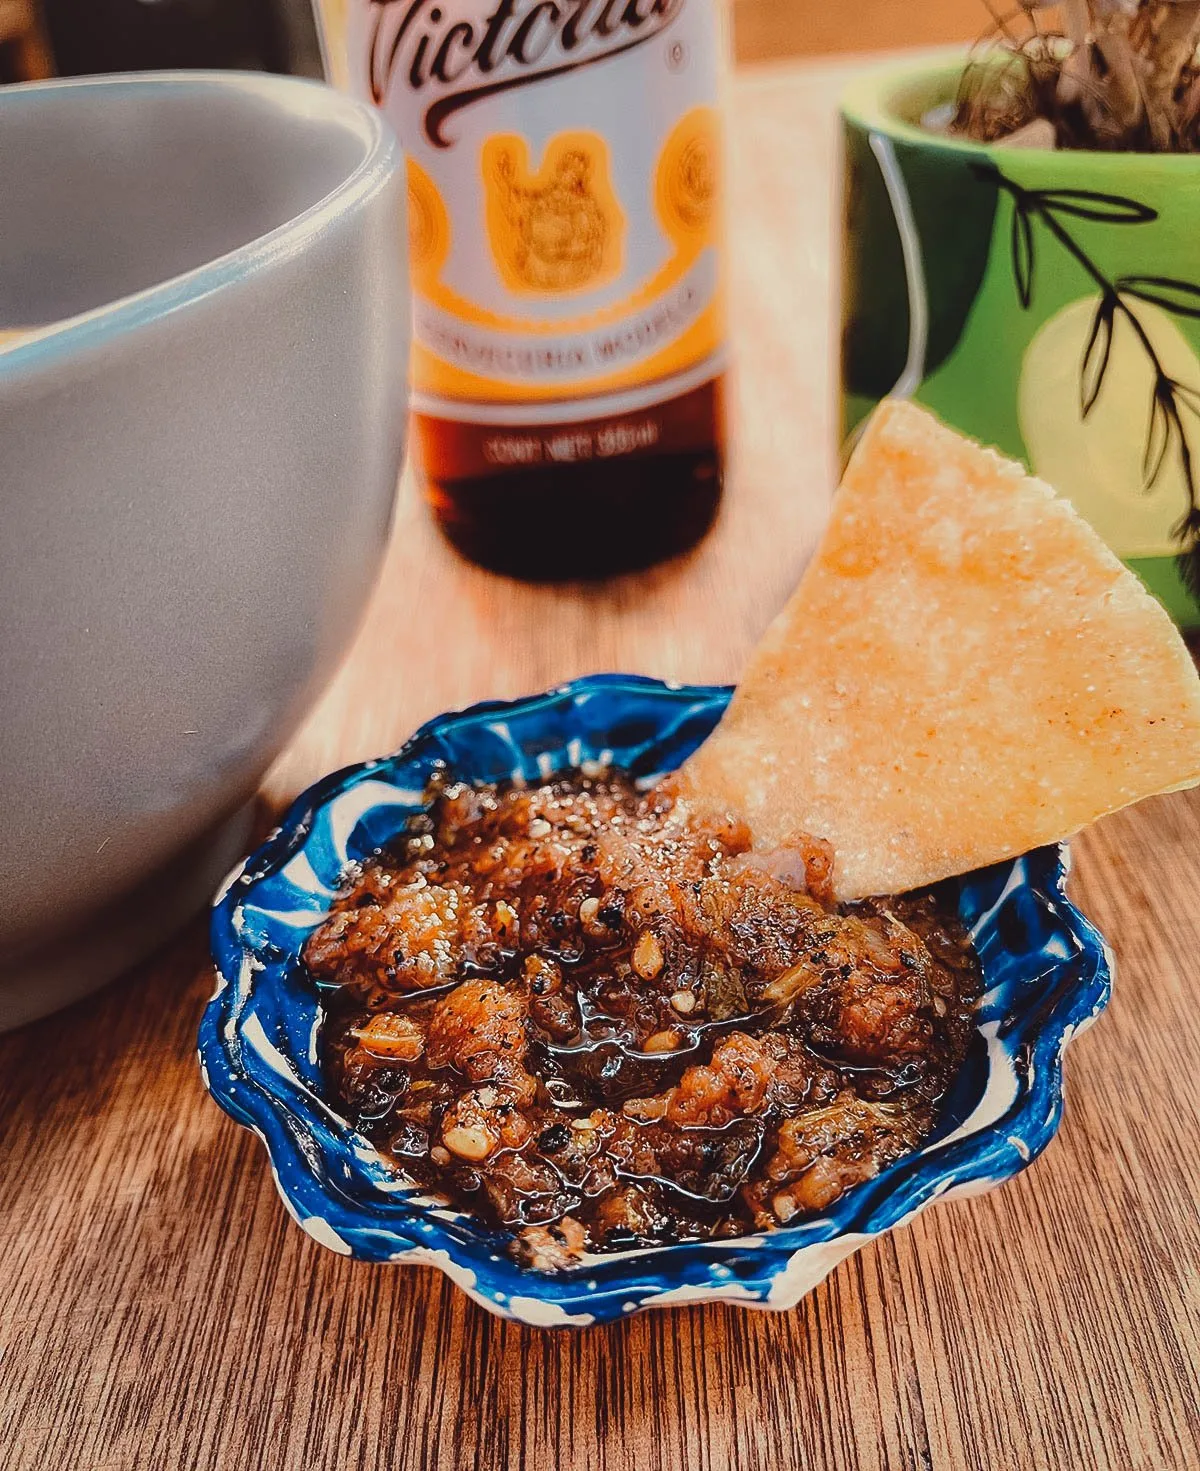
x=52 y=344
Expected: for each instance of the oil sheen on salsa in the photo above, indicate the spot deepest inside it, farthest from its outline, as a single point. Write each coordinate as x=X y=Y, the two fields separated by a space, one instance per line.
x=597 y=1022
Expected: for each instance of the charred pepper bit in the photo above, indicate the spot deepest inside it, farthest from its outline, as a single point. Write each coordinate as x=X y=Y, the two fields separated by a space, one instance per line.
x=407 y=938
x=734 y=1083
x=821 y=1154
x=553 y=1138
x=543 y=976
x=477 y=1017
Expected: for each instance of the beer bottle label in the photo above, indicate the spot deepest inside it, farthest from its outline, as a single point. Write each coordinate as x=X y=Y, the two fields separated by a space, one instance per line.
x=564 y=166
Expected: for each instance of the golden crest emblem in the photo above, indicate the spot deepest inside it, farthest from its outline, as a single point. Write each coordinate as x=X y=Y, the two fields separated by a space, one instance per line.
x=558 y=228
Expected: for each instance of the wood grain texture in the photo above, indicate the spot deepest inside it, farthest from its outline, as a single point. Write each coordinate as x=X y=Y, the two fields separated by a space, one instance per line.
x=160 y=1312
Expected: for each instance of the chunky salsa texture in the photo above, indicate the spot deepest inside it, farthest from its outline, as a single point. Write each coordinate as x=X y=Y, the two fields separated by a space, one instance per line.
x=598 y=1022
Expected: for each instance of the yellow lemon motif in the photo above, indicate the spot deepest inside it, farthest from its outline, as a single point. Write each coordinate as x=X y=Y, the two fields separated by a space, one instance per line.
x=687 y=178
x=1097 y=461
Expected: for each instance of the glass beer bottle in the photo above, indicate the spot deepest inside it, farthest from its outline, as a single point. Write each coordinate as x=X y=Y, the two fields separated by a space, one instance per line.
x=565 y=235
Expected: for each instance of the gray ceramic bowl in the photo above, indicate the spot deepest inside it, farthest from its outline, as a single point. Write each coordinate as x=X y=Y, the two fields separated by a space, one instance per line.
x=197 y=469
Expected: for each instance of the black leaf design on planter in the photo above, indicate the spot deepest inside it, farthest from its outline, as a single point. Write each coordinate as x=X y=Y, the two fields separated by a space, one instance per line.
x=1158 y=435
x=1083 y=204
x=1022 y=253
x=1179 y=297
x=1097 y=352
x=1188 y=398
x=1187 y=562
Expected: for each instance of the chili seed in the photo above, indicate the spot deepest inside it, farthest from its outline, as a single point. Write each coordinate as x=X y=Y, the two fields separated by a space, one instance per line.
x=661 y=1042
x=647 y=956
x=469 y=1141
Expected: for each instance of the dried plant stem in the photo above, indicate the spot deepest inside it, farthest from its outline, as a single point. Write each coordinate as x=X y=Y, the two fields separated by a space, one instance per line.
x=1123 y=94
x=1172 y=47
x=1121 y=75
x=1078 y=19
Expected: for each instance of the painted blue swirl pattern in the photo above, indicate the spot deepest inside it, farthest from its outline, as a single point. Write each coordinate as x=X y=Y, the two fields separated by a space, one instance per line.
x=1046 y=969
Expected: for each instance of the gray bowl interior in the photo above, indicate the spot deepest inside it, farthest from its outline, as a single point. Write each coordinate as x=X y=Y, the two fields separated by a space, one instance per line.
x=107 y=192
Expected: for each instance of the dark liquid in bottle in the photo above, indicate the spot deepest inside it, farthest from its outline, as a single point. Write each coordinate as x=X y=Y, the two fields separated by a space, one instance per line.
x=586 y=498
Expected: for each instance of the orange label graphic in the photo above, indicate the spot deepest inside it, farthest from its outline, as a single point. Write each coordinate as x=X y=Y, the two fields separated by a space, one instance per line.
x=428 y=227
x=556 y=229
x=564 y=175
x=687 y=180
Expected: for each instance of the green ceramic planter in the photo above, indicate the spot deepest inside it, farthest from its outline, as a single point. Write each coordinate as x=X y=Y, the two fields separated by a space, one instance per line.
x=1047 y=303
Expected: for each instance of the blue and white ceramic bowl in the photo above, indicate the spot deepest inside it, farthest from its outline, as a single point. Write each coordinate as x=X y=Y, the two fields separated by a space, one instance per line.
x=1047 y=973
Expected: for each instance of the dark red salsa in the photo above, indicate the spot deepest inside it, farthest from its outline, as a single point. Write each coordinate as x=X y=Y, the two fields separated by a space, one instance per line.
x=597 y=1022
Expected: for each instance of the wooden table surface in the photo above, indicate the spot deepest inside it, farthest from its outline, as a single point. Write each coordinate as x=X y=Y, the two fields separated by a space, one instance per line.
x=159 y=1310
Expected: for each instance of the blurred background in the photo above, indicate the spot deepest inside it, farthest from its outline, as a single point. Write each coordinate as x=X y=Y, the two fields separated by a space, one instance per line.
x=42 y=38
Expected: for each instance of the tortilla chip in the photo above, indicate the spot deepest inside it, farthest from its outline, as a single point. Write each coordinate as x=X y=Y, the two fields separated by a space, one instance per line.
x=964 y=673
